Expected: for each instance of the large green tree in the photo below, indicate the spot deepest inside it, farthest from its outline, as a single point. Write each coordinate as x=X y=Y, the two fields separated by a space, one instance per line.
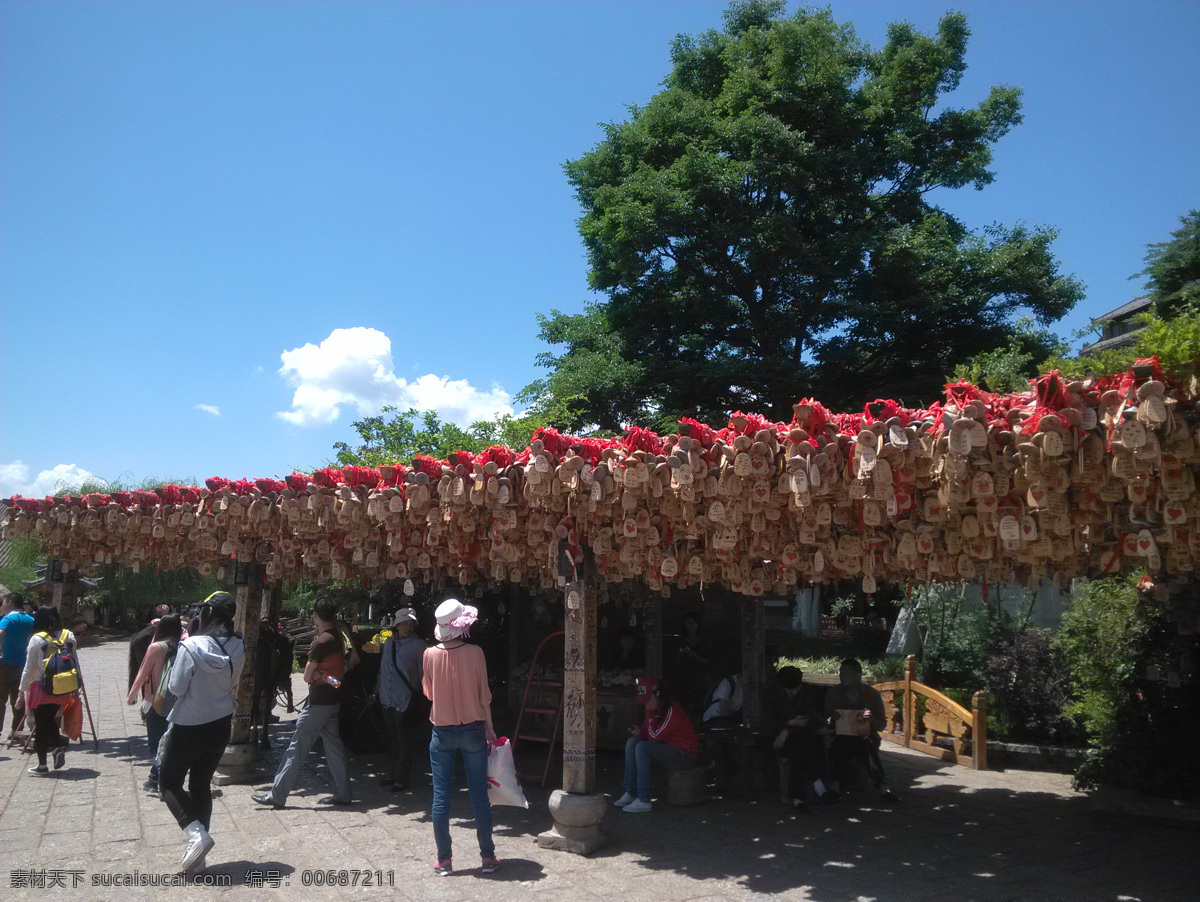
x=1173 y=268
x=765 y=228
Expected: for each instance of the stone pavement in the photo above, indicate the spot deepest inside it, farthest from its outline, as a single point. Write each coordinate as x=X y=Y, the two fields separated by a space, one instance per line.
x=957 y=835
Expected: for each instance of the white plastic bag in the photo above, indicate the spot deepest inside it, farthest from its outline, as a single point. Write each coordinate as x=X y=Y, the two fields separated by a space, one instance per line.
x=503 y=786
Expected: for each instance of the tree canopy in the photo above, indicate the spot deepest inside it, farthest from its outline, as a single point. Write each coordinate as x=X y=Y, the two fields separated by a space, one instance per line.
x=394 y=435
x=1173 y=267
x=764 y=229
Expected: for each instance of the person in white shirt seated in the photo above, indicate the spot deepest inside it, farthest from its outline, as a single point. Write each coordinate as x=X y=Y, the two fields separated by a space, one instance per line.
x=724 y=703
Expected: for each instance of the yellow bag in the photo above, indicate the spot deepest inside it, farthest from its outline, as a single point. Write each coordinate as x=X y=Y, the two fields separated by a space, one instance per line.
x=60 y=669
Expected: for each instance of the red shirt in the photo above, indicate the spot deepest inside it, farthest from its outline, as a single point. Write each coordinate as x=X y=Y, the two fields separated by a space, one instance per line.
x=674 y=729
x=326 y=652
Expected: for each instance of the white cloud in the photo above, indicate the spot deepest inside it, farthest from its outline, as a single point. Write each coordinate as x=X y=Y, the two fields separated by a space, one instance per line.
x=210 y=408
x=258 y=371
x=14 y=479
x=354 y=368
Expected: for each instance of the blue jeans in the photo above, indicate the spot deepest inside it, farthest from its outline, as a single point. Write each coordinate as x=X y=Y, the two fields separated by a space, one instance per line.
x=641 y=755
x=156 y=726
x=444 y=745
x=314 y=721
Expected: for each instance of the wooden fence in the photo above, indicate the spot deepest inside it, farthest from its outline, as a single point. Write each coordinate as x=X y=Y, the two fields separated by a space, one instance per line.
x=945 y=729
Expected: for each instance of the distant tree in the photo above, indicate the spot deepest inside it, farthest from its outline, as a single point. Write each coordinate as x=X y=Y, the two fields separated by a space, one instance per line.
x=24 y=554
x=1173 y=268
x=130 y=592
x=764 y=228
x=395 y=436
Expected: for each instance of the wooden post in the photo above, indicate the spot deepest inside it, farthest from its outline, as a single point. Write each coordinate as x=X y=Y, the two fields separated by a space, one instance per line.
x=753 y=641
x=579 y=686
x=577 y=808
x=910 y=700
x=514 y=620
x=652 y=626
x=249 y=612
x=57 y=597
x=979 y=731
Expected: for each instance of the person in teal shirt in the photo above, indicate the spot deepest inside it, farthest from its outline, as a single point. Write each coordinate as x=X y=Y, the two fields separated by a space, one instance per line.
x=15 y=629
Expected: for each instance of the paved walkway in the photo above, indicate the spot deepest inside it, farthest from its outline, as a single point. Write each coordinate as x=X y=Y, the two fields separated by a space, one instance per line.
x=958 y=835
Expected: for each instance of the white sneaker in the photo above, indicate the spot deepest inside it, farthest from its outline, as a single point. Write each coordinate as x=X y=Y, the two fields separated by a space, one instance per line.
x=623 y=801
x=637 y=806
x=198 y=846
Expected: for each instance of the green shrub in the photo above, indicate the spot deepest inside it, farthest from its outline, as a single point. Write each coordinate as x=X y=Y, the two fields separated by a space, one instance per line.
x=1135 y=690
x=1101 y=636
x=957 y=640
x=886 y=667
x=1028 y=689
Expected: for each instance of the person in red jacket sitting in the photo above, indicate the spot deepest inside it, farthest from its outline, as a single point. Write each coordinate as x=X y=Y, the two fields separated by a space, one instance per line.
x=666 y=738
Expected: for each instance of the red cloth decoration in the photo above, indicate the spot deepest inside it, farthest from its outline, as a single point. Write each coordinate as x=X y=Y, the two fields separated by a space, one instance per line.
x=298 y=482
x=361 y=477
x=497 y=454
x=422 y=463
x=637 y=438
x=705 y=435
x=328 y=477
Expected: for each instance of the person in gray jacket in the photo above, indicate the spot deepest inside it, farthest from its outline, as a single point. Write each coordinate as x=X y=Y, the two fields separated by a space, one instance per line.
x=403 y=704
x=203 y=679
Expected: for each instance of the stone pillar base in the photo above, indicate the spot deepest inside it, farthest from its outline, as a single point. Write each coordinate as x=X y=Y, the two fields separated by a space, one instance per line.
x=576 y=823
x=237 y=765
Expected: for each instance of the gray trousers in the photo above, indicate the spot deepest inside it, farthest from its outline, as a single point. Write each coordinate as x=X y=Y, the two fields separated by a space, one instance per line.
x=314 y=721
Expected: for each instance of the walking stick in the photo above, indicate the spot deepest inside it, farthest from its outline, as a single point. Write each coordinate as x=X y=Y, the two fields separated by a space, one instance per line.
x=87 y=706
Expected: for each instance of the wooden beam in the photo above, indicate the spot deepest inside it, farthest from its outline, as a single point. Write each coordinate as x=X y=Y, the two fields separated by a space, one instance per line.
x=652 y=625
x=754 y=637
x=250 y=609
x=579 y=686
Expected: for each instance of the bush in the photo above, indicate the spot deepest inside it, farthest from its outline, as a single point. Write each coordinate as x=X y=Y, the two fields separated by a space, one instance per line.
x=1101 y=637
x=1028 y=688
x=957 y=641
x=1135 y=691
x=1025 y=681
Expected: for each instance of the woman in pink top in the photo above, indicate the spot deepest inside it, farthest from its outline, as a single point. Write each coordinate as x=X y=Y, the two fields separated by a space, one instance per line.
x=168 y=632
x=454 y=679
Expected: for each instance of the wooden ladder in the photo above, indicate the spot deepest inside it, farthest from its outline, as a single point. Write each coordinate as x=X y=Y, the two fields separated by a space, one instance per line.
x=543 y=703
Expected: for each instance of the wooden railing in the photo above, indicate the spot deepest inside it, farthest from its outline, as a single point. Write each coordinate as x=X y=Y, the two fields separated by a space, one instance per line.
x=943 y=718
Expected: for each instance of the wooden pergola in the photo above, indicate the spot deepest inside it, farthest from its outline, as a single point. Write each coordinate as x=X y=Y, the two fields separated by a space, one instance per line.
x=1064 y=480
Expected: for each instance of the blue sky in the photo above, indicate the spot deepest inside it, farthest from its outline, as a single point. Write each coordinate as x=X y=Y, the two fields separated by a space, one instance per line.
x=229 y=229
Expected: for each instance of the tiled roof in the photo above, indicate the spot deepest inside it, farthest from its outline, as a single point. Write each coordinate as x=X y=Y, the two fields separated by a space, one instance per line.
x=1135 y=306
x=1107 y=344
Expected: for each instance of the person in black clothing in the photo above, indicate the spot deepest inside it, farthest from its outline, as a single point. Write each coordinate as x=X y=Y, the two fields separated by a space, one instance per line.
x=692 y=667
x=272 y=666
x=794 y=716
x=857 y=715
